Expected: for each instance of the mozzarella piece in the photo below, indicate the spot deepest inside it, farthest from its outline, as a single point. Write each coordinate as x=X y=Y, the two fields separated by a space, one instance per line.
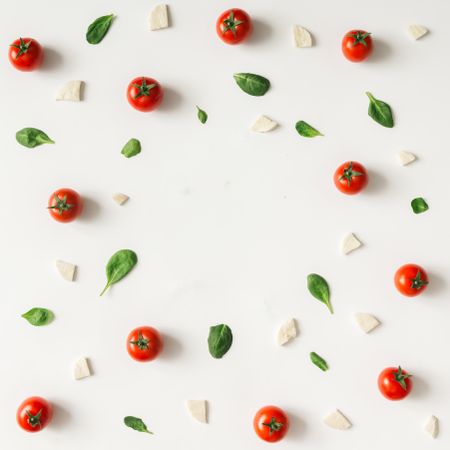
x=263 y=124
x=159 y=18
x=67 y=270
x=432 y=427
x=287 y=332
x=70 y=91
x=81 y=369
x=197 y=409
x=120 y=199
x=337 y=420
x=302 y=37
x=366 y=322
x=350 y=243
x=417 y=31
x=406 y=158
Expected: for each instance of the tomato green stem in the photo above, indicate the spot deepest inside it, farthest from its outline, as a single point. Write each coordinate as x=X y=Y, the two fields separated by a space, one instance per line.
x=400 y=377
x=22 y=47
x=35 y=420
x=231 y=24
x=143 y=89
x=273 y=425
x=141 y=342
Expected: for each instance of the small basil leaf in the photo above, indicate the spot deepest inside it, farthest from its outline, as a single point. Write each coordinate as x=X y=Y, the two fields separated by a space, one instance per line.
x=32 y=137
x=98 y=29
x=136 y=423
x=306 y=130
x=319 y=289
x=380 y=111
x=252 y=84
x=219 y=340
x=131 y=148
x=38 y=316
x=202 y=116
x=419 y=205
x=318 y=361
x=119 y=265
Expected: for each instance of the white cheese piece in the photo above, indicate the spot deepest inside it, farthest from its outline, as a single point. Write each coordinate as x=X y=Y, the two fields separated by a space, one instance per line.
x=302 y=37
x=159 y=18
x=337 y=420
x=350 y=243
x=432 y=427
x=417 y=31
x=406 y=158
x=366 y=322
x=287 y=332
x=197 y=409
x=67 y=270
x=70 y=91
x=120 y=199
x=263 y=124
x=81 y=369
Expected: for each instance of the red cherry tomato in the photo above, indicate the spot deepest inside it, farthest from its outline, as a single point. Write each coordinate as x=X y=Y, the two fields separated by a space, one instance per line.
x=26 y=54
x=65 y=205
x=234 y=26
x=351 y=177
x=144 y=344
x=34 y=414
x=357 y=45
x=271 y=423
x=394 y=383
x=144 y=94
x=411 y=280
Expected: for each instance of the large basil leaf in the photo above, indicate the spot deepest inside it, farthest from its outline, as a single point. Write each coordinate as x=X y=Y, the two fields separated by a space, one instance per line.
x=306 y=130
x=319 y=289
x=380 y=111
x=32 y=137
x=119 y=265
x=219 y=340
x=252 y=84
x=98 y=29
x=38 y=316
x=136 y=424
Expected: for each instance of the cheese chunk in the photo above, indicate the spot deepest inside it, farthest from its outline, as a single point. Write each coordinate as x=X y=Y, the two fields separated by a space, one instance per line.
x=120 y=199
x=67 y=270
x=81 y=369
x=159 y=18
x=350 y=243
x=406 y=158
x=337 y=420
x=302 y=37
x=197 y=409
x=432 y=427
x=263 y=124
x=287 y=332
x=417 y=31
x=70 y=91
x=366 y=322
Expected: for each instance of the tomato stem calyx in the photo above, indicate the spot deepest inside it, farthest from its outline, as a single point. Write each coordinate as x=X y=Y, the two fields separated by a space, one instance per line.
x=349 y=173
x=359 y=38
x=35 y=420
x=417 y=282
x=143 y=88
x=141 y=342
x=61 y=204
x=273 y=425
x=231 y=24
x=400 y=377
x=22 y=47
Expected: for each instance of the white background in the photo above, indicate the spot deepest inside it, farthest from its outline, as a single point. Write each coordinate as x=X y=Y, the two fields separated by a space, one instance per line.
x=226 y=223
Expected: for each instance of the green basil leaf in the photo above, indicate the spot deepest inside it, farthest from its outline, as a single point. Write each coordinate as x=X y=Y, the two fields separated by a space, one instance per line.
x=202 y=116
x=131 y=148
x=219 y=340
x=136 y=423
x=380 y=111
x=318 y=361
x=319 y=289
x=306 y=130
x=98 y=29
x=39 y=316
x=252 y=84
x=119 y=265
x=32 y=137
x=419 y=205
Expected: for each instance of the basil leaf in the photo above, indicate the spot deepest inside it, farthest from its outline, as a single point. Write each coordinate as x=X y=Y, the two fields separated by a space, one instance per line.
x=39 y=316
x=119 y=265
x=419 y=205
x=202 y=116
x=219 y=340
x=380 y=111
x=136 y=423
x=319 y=289
x=32 y=137
x=98 y=29
x=318 y=361
x=131 y=148
x=252 y=84
x=306 y=130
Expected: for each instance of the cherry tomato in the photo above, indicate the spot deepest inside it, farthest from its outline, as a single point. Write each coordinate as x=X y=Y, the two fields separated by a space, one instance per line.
x=144 y=344
x=411 y=280
x=234 y=26
x=271 y=423
x=65 y=205
x=394 y=383
x=357 y=45
x=351 y=177
x=144 y=94
x=26 y=54
x=34 y=414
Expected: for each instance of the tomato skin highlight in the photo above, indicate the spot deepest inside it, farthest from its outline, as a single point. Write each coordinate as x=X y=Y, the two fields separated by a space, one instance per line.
x=144 y=344
x=65 y=205
x=351 y=178
x=357 y=45
x=410 y=280
x=392 y=389
x=271 y=423
x=27 y=59
x=234 y=26
x=34 y=414
x=144 y=94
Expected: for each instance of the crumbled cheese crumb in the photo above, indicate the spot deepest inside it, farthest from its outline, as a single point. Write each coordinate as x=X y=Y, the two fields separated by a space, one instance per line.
x=197 y=409
x=367 y=322
x=337 y=420
x=302 y=37
x=81 y=369
x=432 y=427
x=287 y=332
x=70 y=91
x=120 y=199
x=159 y=18
x=263 y=124
x=350 y=243
x=406 y=158
x=417 y=31
x=67 y=270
